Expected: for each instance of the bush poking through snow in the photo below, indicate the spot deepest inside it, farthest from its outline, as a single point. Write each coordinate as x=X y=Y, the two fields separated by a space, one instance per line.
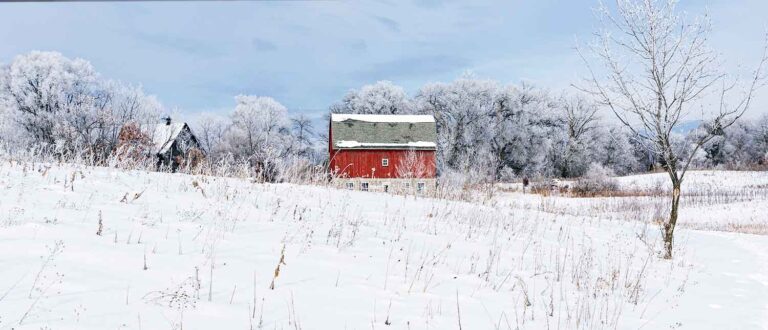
x=545 y=188
x=53 y=251
x=180 y=298
x=598 y=181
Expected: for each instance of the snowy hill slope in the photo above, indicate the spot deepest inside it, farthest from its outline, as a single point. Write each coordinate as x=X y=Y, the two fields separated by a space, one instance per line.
x=179 y=251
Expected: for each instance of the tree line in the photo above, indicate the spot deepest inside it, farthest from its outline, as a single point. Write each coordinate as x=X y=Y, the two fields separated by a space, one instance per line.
x=49 y=100
x=500 y=132
x=487 y=131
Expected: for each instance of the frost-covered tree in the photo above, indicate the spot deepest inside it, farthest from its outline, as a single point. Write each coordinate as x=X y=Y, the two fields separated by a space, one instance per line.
x=258 y=123
x=45 y=89
x=211 y=130
x=8 y=134
x=580 y=146
x=54 y=101
x=651 y=67
x=488 y=131
x=128 y=104
x=761 y=139
x=462 y=110
x=740 y=146
x=615 y=151
x=97 y=126
x=303 y=137
x=383 y=97
x=260 y=133
x=499 y=131
x=722 y=149
x=528 y=129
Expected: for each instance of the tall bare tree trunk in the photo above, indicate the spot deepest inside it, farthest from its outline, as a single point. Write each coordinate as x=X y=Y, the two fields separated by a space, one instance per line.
x=669 y=225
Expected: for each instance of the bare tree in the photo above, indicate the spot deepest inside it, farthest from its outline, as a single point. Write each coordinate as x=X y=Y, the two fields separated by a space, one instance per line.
x=303 y=131
x=580 y=116
x=653 y=67
x=580 y=120
x=211 y=131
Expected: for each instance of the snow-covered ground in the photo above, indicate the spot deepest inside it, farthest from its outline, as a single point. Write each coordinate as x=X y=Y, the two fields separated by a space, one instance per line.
x=733 y=201
x=201 y=252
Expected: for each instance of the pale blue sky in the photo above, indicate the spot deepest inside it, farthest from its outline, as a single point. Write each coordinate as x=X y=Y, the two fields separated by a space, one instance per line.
x=306 y=54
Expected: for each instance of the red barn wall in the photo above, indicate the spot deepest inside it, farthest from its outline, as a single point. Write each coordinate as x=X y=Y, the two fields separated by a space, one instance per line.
x=367 y=163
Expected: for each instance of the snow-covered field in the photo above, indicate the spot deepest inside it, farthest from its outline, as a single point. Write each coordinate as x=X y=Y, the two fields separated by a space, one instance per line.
x=732 y=201
x=179 y=251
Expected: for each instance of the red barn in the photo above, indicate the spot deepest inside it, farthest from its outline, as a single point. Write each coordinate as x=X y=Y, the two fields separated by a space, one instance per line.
x=383 y=152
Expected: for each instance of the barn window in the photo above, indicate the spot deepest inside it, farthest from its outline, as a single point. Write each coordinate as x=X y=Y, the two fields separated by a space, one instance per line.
x=384 y=162
x=364 y=186
x=350 y=185
x=420 y=187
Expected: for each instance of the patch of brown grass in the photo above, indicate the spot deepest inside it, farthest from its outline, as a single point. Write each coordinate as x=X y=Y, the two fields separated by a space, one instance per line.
x=616 y=193
x=743 y=228
x=566 y=191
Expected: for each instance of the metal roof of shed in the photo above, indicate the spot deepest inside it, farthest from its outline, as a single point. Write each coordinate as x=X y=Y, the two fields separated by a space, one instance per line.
x=165 y=135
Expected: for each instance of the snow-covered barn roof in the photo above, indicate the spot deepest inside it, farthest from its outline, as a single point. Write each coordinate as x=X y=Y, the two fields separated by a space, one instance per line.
x=164 y=135
x=384 y=118
x=352 y=131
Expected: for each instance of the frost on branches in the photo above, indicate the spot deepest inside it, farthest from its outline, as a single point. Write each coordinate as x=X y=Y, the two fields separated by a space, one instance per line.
x=62 y=104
